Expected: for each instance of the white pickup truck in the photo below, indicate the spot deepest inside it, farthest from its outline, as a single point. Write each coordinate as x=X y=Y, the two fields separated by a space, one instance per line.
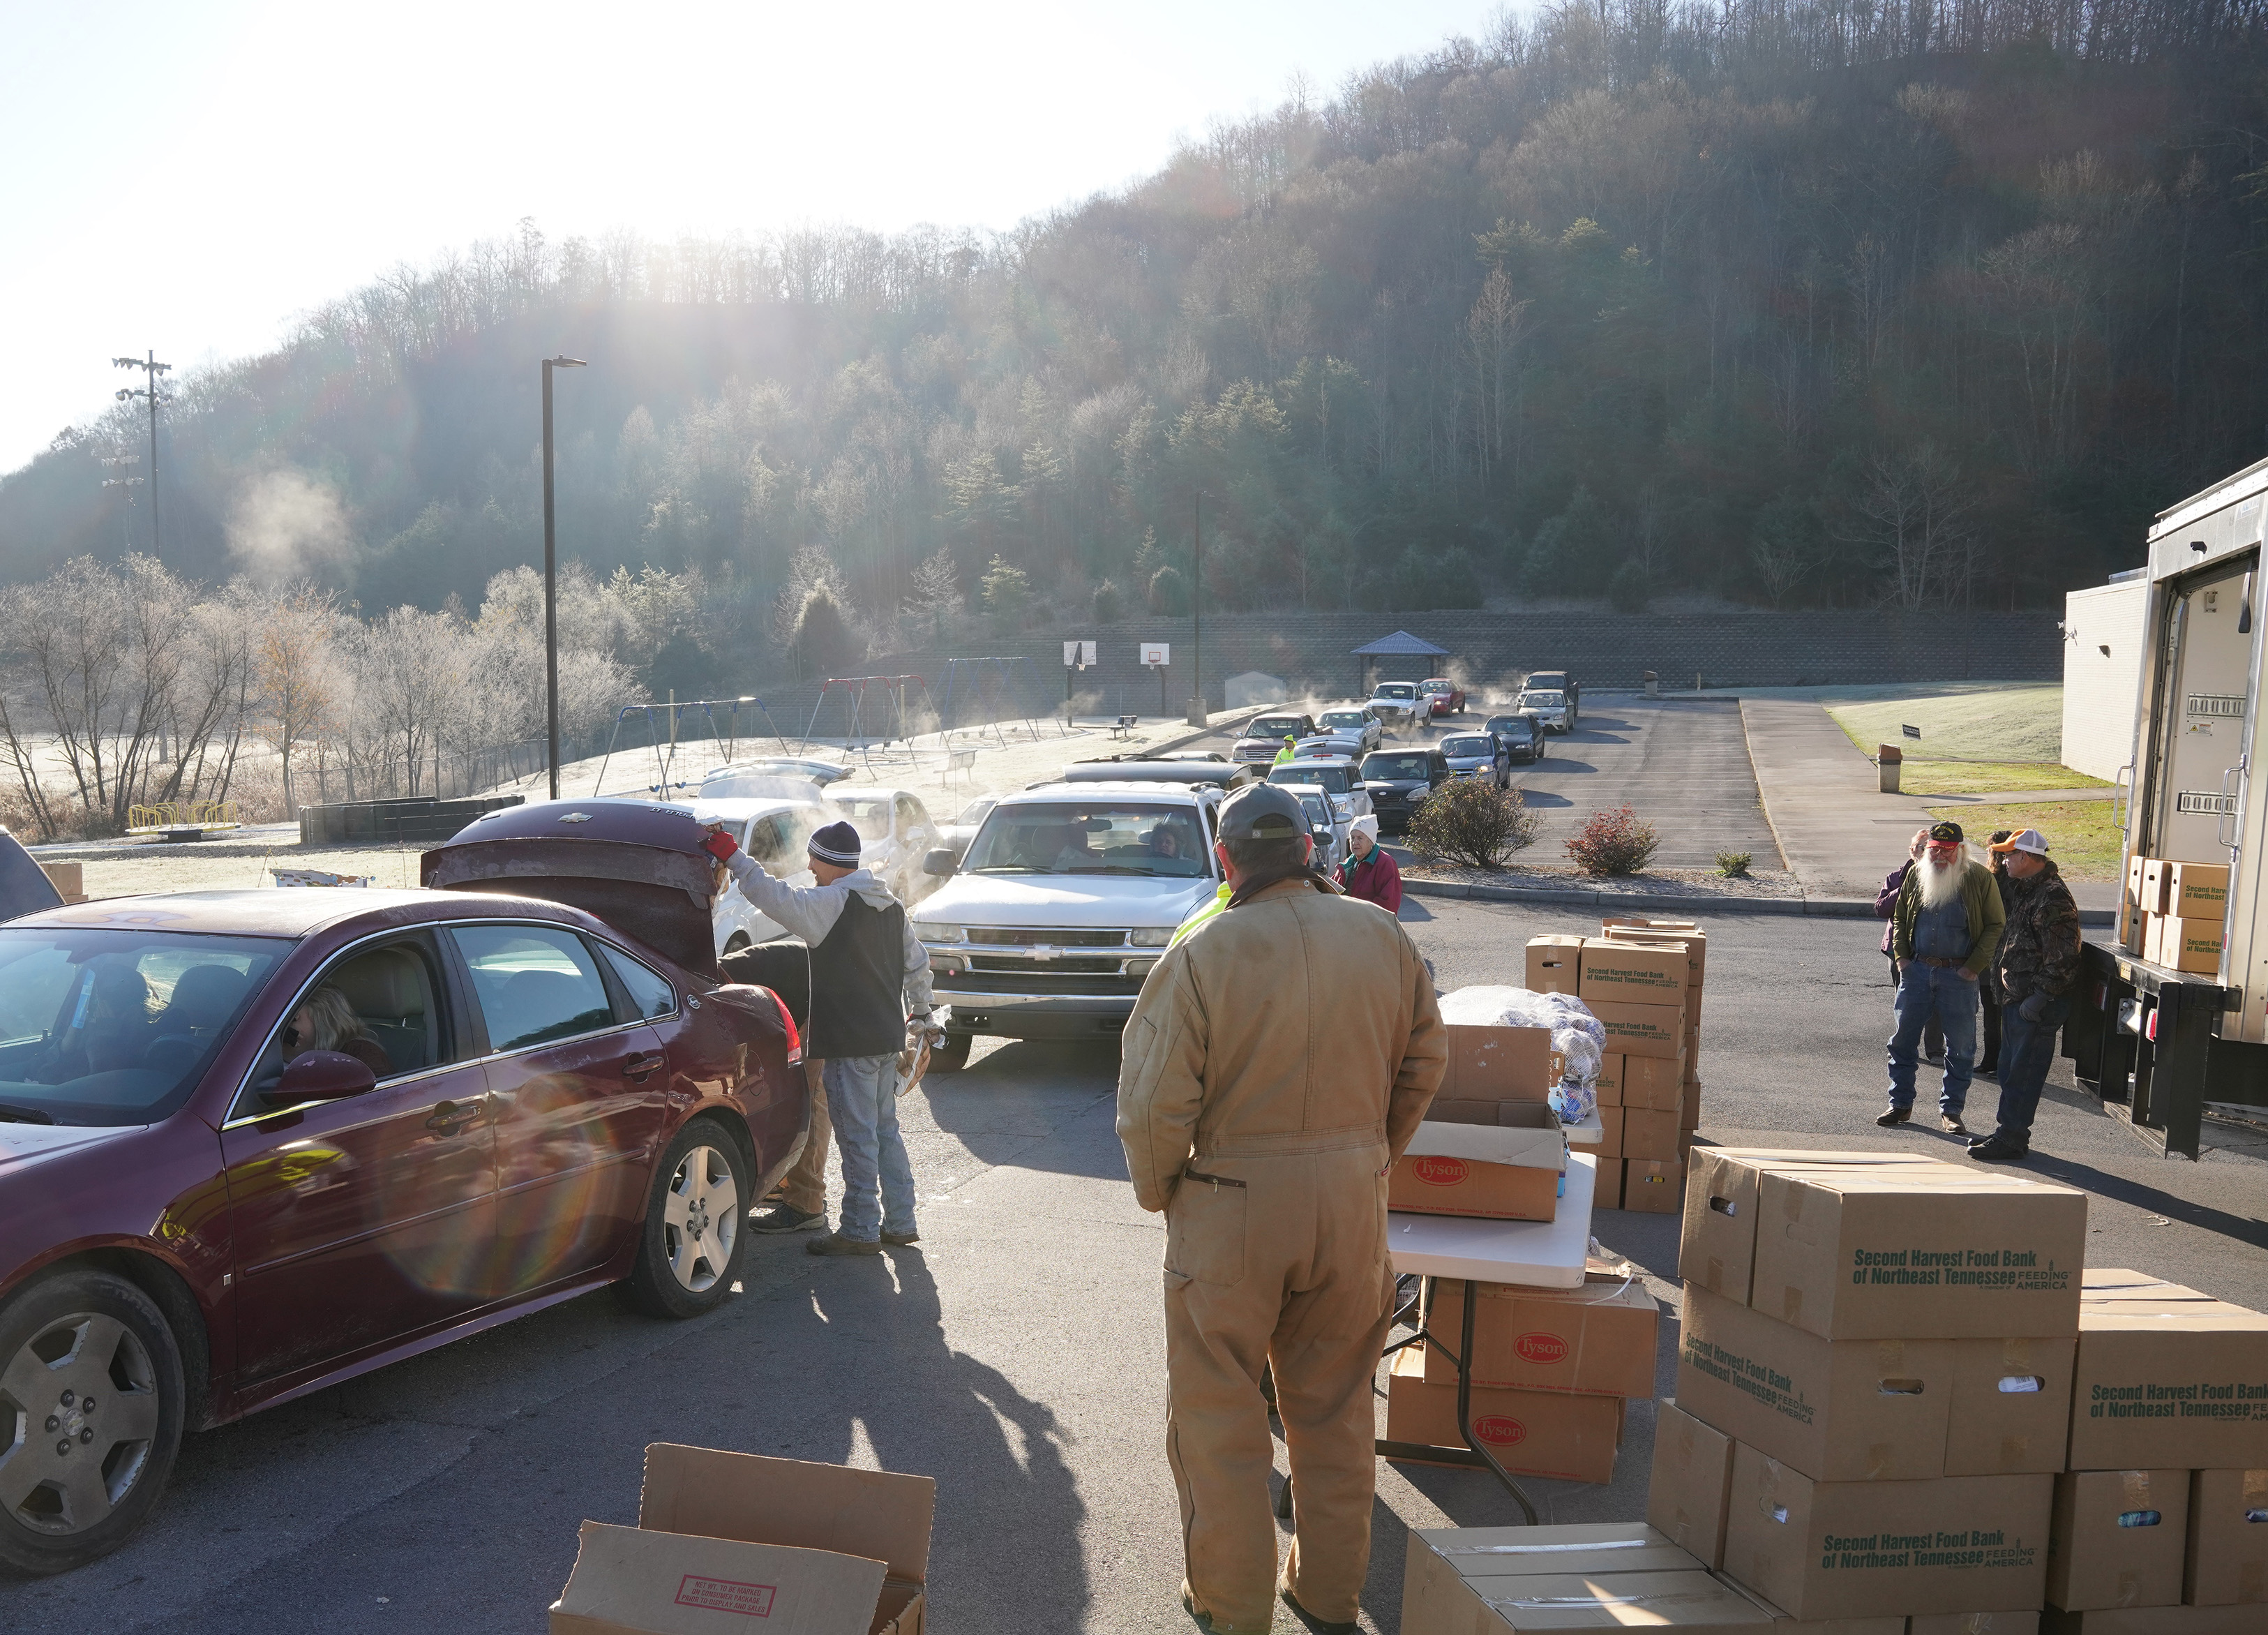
x=1045 y=928
x=1395 y=704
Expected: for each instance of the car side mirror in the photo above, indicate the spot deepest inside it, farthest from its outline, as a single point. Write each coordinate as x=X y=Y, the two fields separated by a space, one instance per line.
x=939 y=862
x=320 y=1076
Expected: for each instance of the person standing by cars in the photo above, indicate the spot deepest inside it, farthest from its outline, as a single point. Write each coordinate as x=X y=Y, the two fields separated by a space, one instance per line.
x=2038 y=967
x=1368 y=873
x=1886 y=902
x=869 y=978
x=1988 y=986
x=1943 y=933
x=1289 y=753
x=1278 y=1061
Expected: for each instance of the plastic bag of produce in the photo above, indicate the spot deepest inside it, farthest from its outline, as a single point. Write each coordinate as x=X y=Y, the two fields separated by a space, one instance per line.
x=1579 y=1036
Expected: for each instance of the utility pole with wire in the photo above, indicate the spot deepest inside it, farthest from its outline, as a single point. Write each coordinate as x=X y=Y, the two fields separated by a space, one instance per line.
x=123 y=480
x=151 y=369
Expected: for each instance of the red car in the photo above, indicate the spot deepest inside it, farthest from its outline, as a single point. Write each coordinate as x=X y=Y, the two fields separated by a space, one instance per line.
x=1442 y=696
x=254 y=1143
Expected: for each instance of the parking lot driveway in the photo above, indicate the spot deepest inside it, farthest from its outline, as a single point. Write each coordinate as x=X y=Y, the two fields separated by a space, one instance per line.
x=1680 y=764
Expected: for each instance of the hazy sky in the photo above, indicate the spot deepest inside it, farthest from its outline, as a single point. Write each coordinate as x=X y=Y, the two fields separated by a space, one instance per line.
x=189 y=176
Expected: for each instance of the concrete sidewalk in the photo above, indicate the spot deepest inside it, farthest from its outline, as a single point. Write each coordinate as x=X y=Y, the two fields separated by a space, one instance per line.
x=1838 y=832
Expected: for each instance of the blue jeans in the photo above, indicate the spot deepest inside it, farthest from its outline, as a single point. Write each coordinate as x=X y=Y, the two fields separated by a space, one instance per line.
x=2026 y=1052
x=861 y=1100
x=1942 y=992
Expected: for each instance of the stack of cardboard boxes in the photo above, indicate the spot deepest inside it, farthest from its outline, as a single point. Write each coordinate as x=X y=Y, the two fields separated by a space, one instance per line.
x=1873 y=1385
x=1490 y=1146
x=1642 y=979
x=2174 y=913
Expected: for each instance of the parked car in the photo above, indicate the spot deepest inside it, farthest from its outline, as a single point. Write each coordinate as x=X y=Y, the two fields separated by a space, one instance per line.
x=1398 y=782
x=758 y=777
x=777 y=834
x=1265 y=735
x=1477 y=756
x=895 y=831
x=1340 y=781
x=1323 y=746
x=1442 y=696
x=954 y=836
x=1551 y=711
x=1324 y=825
x=1066 y=897
x=1558 y=681
x=1394 y=704
x=1522 y=735
x=201 y=1216
x=1353 y=719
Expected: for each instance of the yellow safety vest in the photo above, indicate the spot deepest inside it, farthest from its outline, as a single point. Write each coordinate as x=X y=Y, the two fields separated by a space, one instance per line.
x=1219 y=901
x=1285 y=754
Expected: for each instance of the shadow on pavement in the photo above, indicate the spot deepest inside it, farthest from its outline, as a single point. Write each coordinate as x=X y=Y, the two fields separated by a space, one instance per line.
x=2144 y=1197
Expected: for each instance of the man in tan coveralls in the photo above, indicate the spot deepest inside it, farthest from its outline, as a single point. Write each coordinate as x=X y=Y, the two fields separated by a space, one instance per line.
x=1278 y=1061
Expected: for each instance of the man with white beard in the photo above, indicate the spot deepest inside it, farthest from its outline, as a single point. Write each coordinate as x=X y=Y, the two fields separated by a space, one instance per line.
x=1943 y=932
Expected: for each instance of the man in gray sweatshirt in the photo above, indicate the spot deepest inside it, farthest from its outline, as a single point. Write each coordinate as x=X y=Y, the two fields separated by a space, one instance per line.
x=869 y=978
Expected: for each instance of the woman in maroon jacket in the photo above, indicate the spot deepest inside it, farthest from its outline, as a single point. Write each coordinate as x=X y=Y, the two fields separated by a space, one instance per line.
x=1369 y=874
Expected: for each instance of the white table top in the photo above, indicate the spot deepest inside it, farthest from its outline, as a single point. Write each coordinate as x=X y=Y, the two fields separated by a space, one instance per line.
x=1589 y=1133
x=1542 y=1254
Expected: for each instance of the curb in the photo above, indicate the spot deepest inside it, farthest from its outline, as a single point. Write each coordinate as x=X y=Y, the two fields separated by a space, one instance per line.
x=1810 y=908
x=1749 y=749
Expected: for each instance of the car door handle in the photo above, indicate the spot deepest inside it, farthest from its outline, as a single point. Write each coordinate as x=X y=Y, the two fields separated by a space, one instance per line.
x=451 y=1116
x=640 y=1068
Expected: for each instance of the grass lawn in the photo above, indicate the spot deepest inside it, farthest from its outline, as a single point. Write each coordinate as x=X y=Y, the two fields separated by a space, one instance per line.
x=1989 y=777
x=2082 y=834
x=1987 y=738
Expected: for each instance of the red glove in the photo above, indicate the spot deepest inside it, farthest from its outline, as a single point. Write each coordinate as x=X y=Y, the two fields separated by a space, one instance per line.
x=718 y=844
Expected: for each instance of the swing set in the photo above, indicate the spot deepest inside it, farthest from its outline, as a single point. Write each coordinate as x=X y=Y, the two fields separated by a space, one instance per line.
x=725 y=734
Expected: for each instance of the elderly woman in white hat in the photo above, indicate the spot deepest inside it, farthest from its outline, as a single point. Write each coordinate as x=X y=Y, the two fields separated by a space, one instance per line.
x=1368 y=873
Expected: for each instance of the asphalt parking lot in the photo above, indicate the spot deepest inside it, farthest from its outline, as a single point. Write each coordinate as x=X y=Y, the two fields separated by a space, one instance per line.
x=1016 y=1355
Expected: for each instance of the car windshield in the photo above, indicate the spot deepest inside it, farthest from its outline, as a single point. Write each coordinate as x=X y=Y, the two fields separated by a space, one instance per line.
x=1543 y=700
x=1336 y=779
x=1076 y=838
x=1457 y=749
x=1275 y=726
x=1395 y=690
x=869 y=814
x=1344 y=717
x=972 y=813
x=1512 y=726
x=116 y=1027
x=1435 y=686
x=1396 y=767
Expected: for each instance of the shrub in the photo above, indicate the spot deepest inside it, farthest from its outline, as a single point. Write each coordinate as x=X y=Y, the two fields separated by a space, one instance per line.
x=1471 y=821
x=1109 y=607
x=1169 y=592
x=1614 y=842
x=1733 y=864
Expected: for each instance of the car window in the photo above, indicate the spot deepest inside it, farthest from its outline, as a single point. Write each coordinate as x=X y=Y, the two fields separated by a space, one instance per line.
x=381 y=1006
x=1390 y=765
x=1110 y=836
x=1468 y=747
x=974 y=811
x=534 y=983
x=1337 y=780
x=768 y=839
x=650 y=995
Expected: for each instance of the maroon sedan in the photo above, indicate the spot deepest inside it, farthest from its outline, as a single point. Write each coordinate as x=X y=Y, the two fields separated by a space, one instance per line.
x=254 y=1143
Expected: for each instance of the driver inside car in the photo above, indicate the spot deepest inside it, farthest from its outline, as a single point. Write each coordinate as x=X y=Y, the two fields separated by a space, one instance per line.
x=326 y=1022
x=108 y=1030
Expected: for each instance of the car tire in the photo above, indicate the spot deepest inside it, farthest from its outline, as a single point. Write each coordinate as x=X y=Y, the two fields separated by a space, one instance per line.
x=76 y=1336
x=951 y=1056
x=695 y=1230
x=740 y=943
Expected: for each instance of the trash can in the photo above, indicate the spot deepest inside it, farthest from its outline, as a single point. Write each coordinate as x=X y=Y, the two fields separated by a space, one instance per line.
x=1652 y=685
x=1891 y=758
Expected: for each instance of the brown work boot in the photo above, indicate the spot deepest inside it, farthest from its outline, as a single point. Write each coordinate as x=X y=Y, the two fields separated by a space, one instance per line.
x=1206 y=1622
x=1322 y=1626
x=835 y=1243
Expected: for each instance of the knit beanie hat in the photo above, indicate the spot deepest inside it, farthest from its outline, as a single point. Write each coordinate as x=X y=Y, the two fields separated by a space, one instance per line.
x=837 y=843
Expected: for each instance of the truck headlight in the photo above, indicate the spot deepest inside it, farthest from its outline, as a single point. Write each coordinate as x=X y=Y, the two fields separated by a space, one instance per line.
x=929 y=930
x=1150 y=936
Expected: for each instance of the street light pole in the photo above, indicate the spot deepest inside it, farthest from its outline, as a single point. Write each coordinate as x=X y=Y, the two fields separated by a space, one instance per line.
x=151 y=369
x=551 y=585
x=1197 y=716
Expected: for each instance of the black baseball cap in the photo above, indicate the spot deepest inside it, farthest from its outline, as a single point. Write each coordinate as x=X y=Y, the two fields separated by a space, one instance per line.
x=1262 y=812
x=1946 y=833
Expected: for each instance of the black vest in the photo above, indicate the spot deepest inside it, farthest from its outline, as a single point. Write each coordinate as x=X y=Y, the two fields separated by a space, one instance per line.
x=858 y=983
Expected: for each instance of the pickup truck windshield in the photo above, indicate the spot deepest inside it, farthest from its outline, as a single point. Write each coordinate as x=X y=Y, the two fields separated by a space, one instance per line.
x=1396 y=767
x=1543 y=700
x=1074 y=837
x=1403 y=690
x=1336 y=780
x=1468 y=748
x=115 y=1027
x=1275 y=727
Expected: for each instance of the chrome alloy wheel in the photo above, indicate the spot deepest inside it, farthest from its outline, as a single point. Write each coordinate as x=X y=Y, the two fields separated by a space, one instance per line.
x=78 y=1416
x=701 y=1219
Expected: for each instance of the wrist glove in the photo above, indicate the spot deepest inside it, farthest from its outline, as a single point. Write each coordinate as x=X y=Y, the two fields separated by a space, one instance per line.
x=2034 y=1008
x=718 y=844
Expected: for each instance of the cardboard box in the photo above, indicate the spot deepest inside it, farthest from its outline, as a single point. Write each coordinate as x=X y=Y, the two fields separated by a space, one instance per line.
x=1609 y=1086
x=2025 y=1622
x=1610 y=1121
x=1498 y=1064
x=2167 y=1377
x=1436 y=1600
x=1853 y=1411
x=2152 y=1621
x=1888 y=1252
x=1585 y=1547
x=2157 y=884
x=1839 y=1549
x=1608 y=1189
x=1555 y=1434
x=1555 y=964
x=1631 y=973
x=1653 y=1186
x=2130 y=922
x=2011 y=1413
x=2197 y=891
x=1653 y=1081
x=2188 y=944
x=1643 y=1030
x=2117 y=1539
x=1685 y=934
x=68 y=878
x=1782 y=1624
x=1688 y=1104
x=724 y=1538
x=1692 y=1469
x=1495 y=1160
x=1650 y=1135
x=1601 y=1338
x=2225 y=1561
x=1718 y=1246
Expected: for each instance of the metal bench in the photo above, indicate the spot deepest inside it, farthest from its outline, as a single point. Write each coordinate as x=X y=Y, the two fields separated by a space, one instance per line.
x=1123 y=727
x=962 y=760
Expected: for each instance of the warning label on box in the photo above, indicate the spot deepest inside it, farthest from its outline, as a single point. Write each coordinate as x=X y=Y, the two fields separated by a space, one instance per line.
x=725 y=1595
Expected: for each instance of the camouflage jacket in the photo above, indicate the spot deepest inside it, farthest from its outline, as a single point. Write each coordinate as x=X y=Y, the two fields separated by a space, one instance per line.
x=2039 y=952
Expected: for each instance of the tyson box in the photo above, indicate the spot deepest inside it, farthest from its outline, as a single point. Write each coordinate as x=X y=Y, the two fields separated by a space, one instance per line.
x=2167 y=1377
x=1717 y=1248
x=1840 y=1550
x=1692 y=1469
x=2116 y=1539
x=1496 y=1161
x=1600 y=1337
x=1555 y=1433
x=1893 y=1253
x=2225 y=1562
x=726 y=1539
